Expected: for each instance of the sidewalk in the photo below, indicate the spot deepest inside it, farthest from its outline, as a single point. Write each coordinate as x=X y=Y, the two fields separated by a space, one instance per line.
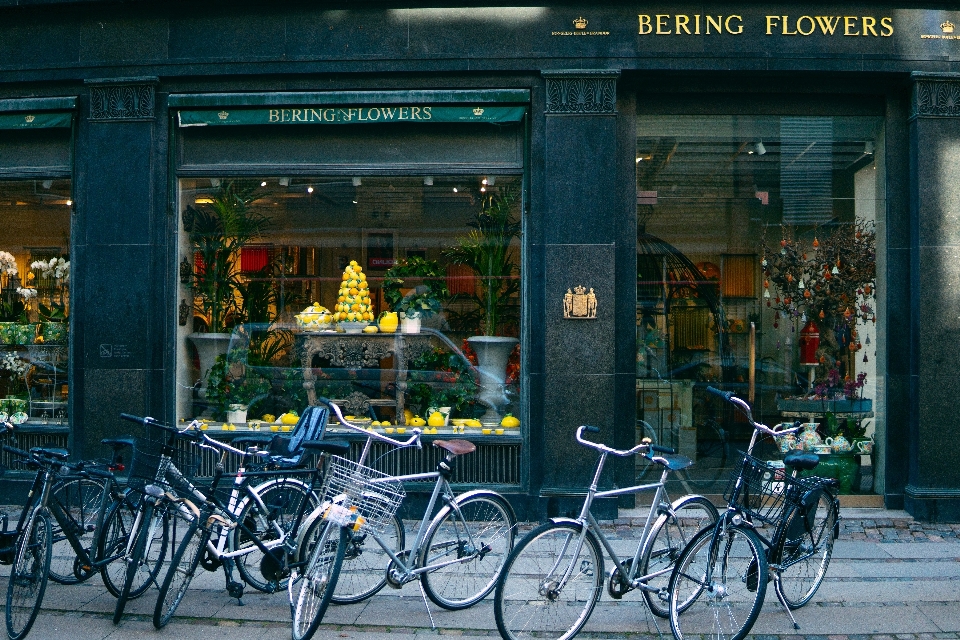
x=890 y=578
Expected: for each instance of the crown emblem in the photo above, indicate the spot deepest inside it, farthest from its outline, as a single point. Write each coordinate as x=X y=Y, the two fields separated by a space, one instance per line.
x=478 y=111
x=947 y=27
x=223 y=115
x=29 y=118
x=580 y=23
x=579 y=290
x=579 y=304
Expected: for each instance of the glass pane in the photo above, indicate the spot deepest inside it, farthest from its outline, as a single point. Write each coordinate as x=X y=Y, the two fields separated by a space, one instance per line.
x=757 y=251
x=396 y=296
x=34 y=300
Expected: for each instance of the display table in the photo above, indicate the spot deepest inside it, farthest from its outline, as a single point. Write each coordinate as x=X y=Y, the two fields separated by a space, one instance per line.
x=360 y=351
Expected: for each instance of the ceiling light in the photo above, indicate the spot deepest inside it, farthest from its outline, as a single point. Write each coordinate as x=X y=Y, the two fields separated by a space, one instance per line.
x=263 y=184
x=309 y=189
x=483 y=189
x=454 y=189
x=483 y=182
x=69 y=203
x=284 y=182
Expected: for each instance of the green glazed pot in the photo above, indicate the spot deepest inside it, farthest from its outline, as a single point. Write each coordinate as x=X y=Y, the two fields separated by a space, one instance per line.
x=53 y=332
x=25 y=333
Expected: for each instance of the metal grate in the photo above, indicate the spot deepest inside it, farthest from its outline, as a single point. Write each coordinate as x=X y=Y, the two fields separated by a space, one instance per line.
x=28 y=440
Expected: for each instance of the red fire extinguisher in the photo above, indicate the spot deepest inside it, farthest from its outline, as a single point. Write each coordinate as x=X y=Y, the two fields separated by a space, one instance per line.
x=809 y=343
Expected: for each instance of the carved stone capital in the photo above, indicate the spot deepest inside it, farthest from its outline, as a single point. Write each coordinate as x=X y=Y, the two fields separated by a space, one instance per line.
x=936 y=96
x=130 y=99
x=581 y=91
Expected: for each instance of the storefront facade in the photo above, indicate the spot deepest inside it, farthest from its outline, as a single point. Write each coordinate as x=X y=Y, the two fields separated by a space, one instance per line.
x=632 y=203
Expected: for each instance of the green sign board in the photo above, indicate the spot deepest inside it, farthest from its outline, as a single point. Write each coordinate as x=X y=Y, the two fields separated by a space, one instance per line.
x=34 y=120
x=363 y=114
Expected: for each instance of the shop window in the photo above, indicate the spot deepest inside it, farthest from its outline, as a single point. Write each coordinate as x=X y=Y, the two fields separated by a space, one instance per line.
x=396 y=296
x=34 y=300
x=757 y=250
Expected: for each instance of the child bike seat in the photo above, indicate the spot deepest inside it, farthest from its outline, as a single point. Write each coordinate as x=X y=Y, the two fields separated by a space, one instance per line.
x=326 y=446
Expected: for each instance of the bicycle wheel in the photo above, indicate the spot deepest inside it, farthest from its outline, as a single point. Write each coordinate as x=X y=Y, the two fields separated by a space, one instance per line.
x=363 y=573
x=79 y=499
x=550 y=584
x=718 y=584
x=323 y=547
x=28 y=575
x=183 y=566
x=480 y=537
x=669 y=536
x=283 y=501
x=112 y=549
x=805 y=547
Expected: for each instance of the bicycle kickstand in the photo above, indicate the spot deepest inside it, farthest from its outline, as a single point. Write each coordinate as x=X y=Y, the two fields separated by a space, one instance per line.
x=776 y=577
x=234 y=588
x=423 y=594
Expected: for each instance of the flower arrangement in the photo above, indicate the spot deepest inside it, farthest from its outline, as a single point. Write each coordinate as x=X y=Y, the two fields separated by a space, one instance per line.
x=17 y=367
x=833 y=387
x=8 y=264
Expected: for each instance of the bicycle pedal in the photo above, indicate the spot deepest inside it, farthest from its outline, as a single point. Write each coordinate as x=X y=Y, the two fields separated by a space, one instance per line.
x=235 y=589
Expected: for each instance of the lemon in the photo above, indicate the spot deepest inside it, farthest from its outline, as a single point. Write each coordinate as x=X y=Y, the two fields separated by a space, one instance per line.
x=375 y=423
x=289 y=417
x=268 y=417
x=371 y=329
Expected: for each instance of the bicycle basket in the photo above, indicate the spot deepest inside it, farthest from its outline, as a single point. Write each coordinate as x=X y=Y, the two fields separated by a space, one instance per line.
x=375 y=497
x=152 y=459
x=765 y=491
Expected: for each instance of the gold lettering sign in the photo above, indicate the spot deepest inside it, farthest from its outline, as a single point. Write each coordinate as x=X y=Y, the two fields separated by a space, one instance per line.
x=352 y=114
x=667 y=24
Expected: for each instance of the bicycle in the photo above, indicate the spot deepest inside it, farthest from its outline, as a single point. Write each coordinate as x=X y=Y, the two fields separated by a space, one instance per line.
x=554 y=577
x=29 y=548
x=260 y=517
x=720 y=580
x=457 y=553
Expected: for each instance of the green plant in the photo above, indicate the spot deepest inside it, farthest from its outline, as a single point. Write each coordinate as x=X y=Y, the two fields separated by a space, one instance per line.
x=231 y=382
x=218 y=231
x=487 y=251
x=429 y=290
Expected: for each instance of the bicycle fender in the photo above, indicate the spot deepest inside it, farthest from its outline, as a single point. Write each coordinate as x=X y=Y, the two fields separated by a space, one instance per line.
x=481 y=492
x=305 y=525
x=573 y=522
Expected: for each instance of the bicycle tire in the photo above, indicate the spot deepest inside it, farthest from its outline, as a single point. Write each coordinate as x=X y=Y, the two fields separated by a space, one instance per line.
x=527 y=603
x=727 y=607
x=323 y=545
x=669 y=536
x=28 y=575
x=112 y=543
x=80 y=499
x=363 y=573
x=804 y=548
x=285 y=500
x=484 y=528
x=183 y=566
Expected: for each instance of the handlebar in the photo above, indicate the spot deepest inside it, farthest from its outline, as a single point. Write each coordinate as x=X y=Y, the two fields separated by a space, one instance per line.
x=644 y=447
x=744 y=408
x=413 y=441
x=190 y=431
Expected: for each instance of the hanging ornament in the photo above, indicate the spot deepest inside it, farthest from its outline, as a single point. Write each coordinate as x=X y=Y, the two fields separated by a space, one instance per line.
x=786 y=300
x=803 y=318
x=793 y=329
x=776 y=325
x=800 y=284
x=778 y=300
x=766 y=284
x=816 y=243
x=763 y=263
x=804 y=256
x=766 y=293
x=768 y=303
x=783 y=243
x=822 y=314
x=789 y=278
x=835 y=271
x=806 y=294
x=867 y=341
x=778 y=345
x=865 y=358
x=867 y=290
x=776 y=316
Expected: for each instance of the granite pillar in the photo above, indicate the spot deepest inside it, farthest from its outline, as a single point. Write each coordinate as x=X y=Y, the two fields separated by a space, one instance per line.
x=585 y=217
x=932 y=491
x=118 y=292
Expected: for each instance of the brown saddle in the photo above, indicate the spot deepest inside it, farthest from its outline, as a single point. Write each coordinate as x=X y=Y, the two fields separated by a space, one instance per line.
x=456 y=447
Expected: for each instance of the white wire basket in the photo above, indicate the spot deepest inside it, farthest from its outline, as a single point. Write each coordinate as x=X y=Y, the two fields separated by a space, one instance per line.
x=375 y=495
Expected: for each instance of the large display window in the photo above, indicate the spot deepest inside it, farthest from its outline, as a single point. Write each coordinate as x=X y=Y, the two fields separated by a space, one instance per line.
x=758 y=246
x=398 y=296
x=34 y=300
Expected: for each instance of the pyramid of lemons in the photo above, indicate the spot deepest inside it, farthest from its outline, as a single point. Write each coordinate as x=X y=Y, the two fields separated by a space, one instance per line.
x=353 y=300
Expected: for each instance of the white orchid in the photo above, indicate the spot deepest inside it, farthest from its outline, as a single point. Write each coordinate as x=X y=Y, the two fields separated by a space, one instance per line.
x=13 y=364
x=27 y=293
x=8 y=264
x=58 y=268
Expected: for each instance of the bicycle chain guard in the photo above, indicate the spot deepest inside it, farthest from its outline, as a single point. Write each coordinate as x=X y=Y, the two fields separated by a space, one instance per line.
x=394 y=577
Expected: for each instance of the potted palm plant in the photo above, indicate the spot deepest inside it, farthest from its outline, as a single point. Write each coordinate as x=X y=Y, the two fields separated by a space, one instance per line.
x=218 y=232
x=487 y=250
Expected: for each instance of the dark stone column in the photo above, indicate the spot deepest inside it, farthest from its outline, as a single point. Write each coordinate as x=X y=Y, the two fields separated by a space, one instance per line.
x=118 y=303
x=585 y=217
x=933 y=483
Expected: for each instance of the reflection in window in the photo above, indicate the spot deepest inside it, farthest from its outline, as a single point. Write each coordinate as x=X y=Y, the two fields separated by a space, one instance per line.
x=34 y=300
x=764 y=222
x=310 y=281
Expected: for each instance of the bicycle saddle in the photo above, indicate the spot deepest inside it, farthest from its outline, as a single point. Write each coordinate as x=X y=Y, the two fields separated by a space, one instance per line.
x=456 y=447
x=801 y=460
x=116 y=443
